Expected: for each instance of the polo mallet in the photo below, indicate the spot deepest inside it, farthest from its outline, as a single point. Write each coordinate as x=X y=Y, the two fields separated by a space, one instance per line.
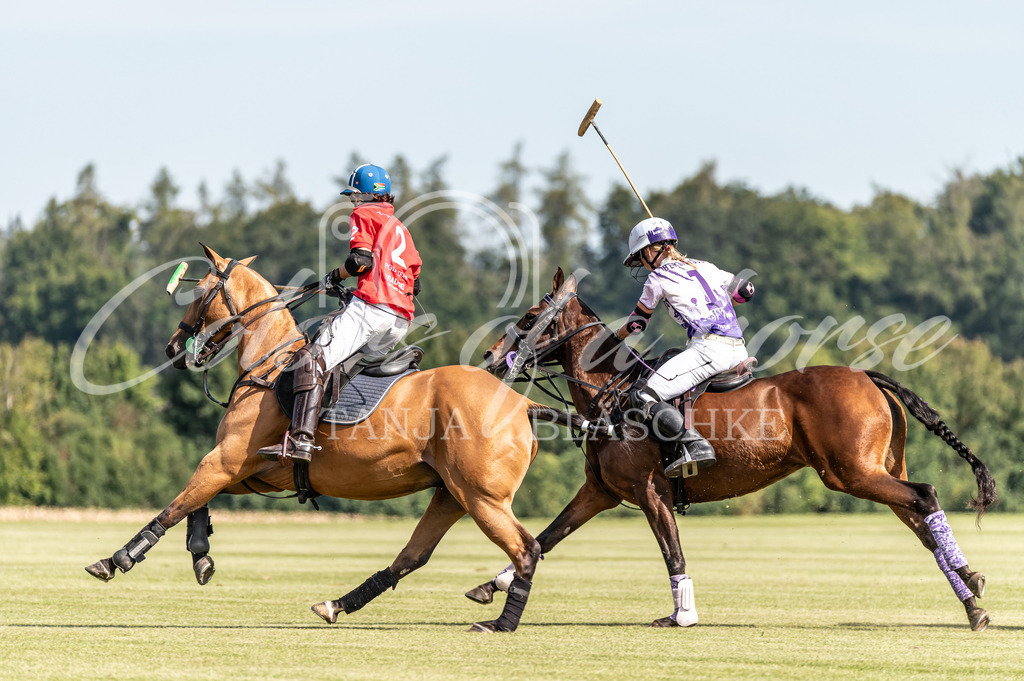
x=178 y=276
x=588 y=122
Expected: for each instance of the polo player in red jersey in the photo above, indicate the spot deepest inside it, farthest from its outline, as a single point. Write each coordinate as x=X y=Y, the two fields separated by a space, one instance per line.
x=383 y=257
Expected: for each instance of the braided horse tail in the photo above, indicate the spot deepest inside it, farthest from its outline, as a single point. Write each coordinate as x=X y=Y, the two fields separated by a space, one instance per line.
x=930 y=418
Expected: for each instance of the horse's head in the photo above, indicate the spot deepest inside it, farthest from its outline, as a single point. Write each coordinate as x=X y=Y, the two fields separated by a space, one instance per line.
x=207 y=322
x=534 y=331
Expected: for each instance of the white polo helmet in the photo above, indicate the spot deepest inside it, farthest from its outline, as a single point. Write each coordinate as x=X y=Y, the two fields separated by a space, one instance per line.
x=647 y=232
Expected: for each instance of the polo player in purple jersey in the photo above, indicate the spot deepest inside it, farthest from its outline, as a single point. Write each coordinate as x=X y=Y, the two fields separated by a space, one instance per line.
x=700 y=298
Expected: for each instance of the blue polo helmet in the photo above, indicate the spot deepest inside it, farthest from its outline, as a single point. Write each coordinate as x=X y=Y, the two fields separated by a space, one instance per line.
x=369 y=179
x=647 y=232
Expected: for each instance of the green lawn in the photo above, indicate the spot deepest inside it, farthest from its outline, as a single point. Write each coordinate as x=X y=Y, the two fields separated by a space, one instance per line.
x=780 y=597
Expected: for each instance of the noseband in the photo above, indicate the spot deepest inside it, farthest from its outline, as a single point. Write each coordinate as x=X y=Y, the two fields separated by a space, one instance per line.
x=528 y=354
x=202 y=345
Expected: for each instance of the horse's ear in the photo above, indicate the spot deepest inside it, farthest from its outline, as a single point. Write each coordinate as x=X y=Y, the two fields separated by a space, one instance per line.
x=570 y=283
x=248 y=261
x=211 y=255
x=558 y=280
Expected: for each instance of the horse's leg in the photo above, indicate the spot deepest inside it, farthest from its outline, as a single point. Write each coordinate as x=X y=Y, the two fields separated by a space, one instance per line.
x=917 y=505
x=966 y=584
x=197 y=541
x=654 y=497
x=200 y=527
x=442 y=512
x=590 y=500
x=495 y=519
x=209 y=478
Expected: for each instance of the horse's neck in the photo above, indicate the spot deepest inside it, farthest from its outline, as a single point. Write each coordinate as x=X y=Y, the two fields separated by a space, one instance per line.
x=268 y=332
x=585 y=359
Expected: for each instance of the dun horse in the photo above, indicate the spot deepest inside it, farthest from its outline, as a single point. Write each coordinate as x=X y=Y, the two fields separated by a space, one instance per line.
x=847 y=425
x=458 y=430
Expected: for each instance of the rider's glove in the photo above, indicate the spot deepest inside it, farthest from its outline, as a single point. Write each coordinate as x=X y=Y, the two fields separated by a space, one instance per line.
x=332 y=279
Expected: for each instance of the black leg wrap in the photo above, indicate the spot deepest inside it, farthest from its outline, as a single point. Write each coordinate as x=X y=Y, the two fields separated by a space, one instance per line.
x=518 y=592
x=199 y=530
x=368 y=590
x=135 y=551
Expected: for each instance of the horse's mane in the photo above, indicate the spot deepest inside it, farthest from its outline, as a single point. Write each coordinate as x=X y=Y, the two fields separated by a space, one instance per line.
x=609 y=347
x=272 y=291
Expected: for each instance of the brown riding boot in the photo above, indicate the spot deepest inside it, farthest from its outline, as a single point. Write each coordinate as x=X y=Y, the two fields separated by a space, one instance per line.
x=309 y=392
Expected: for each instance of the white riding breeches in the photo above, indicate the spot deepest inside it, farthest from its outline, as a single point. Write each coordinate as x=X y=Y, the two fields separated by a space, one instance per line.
x=362 y=326
x=704 y=357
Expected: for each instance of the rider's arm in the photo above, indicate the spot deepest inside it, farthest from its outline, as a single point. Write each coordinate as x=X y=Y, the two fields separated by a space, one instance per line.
x=636 y=322
x=359 y=261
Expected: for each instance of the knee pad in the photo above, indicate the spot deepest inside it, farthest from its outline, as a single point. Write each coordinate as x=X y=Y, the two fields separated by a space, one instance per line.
x=641 y=396
x=667 y=422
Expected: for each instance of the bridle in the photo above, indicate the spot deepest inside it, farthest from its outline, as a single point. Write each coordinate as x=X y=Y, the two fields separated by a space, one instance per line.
x=202 y=344
x=538 y=360
x=529 y=355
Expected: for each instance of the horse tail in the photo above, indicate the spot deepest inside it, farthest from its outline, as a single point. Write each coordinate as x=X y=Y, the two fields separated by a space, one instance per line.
x=931 y=420
x=541 y=412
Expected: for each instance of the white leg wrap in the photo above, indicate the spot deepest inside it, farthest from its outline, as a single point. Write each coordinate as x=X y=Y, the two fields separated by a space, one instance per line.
x=682 y=594
x=504 y=578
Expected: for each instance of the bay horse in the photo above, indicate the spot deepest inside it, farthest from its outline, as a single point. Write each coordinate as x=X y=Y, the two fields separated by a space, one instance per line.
x=845 y=424
x=456 y=429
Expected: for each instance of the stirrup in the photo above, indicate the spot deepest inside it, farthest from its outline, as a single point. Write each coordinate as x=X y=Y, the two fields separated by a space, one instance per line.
x=688 y=464
x=283 y=451
x=683 y=467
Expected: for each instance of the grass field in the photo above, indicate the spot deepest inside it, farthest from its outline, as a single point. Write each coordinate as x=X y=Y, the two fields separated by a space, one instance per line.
x=780 y=597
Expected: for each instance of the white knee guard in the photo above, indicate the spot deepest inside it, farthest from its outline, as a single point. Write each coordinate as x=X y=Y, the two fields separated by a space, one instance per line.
x=682 y=594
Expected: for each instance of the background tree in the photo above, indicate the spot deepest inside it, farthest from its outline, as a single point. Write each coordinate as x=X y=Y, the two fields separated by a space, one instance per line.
x=958 y=257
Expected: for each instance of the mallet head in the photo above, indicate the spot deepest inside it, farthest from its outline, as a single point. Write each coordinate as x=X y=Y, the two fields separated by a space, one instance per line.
x=589 y=118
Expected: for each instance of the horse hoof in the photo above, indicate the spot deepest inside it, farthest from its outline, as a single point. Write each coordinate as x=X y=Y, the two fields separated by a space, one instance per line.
x=980 y=621
x=977 y=584
x=483 y=594
x=327 y=611
x=102 y=569
x=664 y=623
x=485 y=627
x=204 y=570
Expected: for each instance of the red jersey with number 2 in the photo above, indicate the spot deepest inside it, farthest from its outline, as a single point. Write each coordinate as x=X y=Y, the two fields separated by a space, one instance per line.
x=396 y=262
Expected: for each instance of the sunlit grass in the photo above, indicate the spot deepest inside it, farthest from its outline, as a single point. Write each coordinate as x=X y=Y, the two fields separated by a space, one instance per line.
x=781 y=597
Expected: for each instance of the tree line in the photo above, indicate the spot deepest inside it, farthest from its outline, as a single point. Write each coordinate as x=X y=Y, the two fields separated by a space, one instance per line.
x=924 y=292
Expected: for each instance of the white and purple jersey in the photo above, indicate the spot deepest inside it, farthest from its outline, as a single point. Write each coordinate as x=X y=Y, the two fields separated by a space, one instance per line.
x=694 y=291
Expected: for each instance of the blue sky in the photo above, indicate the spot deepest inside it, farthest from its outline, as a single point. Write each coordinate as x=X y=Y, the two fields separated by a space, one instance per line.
x=835 y=97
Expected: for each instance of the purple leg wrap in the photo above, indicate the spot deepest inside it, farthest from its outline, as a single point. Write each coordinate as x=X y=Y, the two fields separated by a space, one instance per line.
x=943 y=534
x=961 y=590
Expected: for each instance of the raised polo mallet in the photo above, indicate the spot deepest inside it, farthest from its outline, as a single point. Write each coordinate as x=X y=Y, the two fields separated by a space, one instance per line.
x=588 y=122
